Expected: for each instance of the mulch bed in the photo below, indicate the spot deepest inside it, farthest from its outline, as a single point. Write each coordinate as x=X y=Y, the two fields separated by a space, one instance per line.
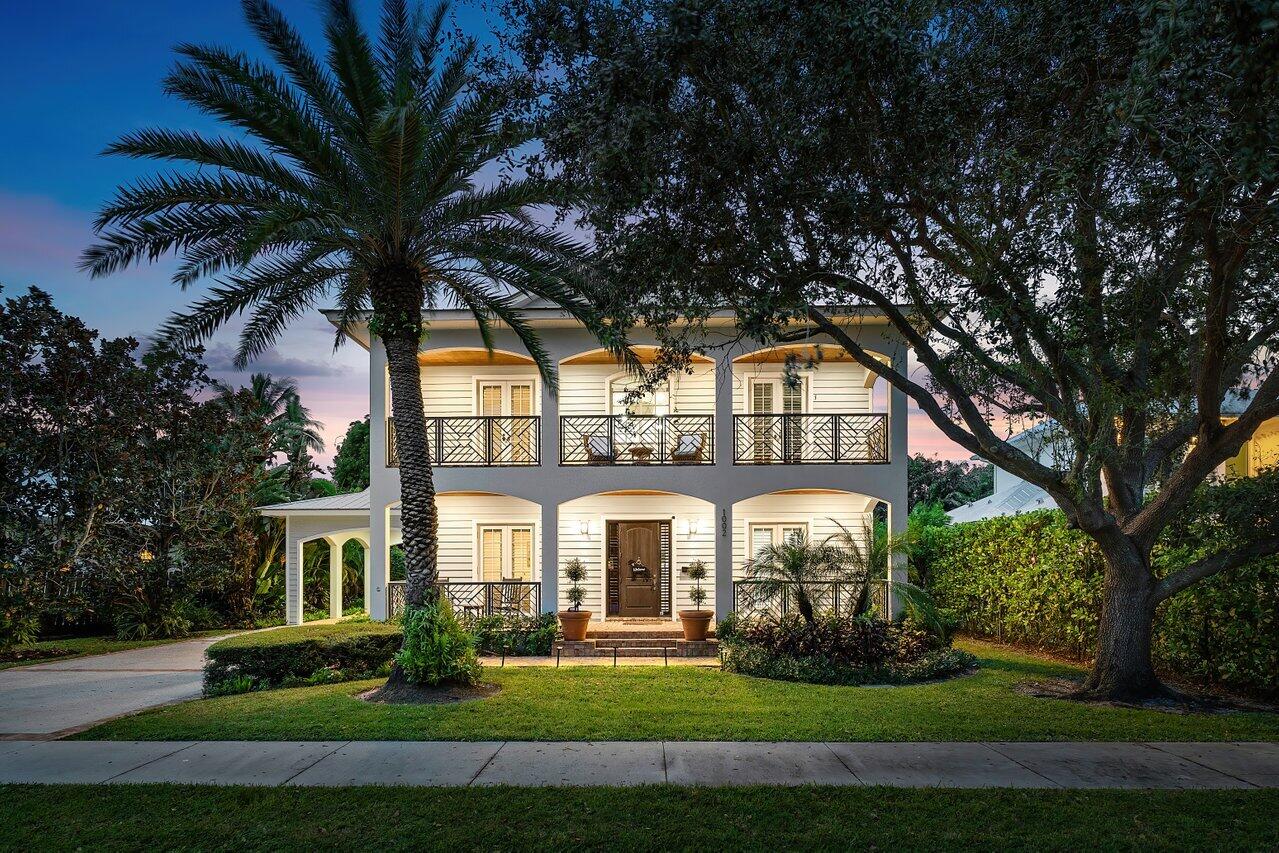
x=24 y=655
x=1180 y=703
x=413 y=694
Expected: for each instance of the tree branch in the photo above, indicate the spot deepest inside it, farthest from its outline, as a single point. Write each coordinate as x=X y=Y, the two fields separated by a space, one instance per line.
x=1208 y=566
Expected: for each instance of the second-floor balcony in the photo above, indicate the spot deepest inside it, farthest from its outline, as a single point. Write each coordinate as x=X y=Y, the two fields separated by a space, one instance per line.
x=810 y=439
x=478 y=441
x=637 y=440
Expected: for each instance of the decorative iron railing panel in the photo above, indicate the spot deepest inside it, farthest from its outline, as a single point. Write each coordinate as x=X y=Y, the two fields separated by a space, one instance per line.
x=755 y=599
x=794 y=439
x=637 y=440
x=479 y=441
x=472 y=599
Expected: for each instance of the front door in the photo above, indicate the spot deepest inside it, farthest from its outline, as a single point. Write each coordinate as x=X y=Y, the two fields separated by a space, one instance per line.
x=639 y=568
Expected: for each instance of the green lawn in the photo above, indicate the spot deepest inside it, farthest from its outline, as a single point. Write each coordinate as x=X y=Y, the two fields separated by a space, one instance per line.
x=85 y=646
x=658 y=818
x=685 y=703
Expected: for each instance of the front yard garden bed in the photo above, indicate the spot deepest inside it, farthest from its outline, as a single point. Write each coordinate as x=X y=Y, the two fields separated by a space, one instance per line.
x=307 y=654
x=846 y=651
x=691 y=703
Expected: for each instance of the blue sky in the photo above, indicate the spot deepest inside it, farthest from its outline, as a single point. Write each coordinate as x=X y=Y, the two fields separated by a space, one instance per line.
x=76 y=75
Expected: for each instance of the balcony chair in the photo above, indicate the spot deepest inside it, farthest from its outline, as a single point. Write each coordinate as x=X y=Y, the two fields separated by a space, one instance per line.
x=689 y=447
x=599 y=450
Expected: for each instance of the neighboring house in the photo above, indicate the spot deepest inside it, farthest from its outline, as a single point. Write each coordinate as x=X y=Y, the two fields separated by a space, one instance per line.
x=1013 y=495
x=720 y=461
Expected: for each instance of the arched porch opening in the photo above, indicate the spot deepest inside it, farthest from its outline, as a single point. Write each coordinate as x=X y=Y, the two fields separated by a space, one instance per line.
x=857 y=523
x=636 y=546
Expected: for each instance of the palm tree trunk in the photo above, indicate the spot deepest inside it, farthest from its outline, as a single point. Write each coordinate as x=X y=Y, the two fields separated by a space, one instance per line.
x=399 y=313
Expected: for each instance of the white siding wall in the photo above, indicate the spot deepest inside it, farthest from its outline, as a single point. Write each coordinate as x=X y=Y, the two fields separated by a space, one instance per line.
x=834 y=387
x=815 y=509
x=449 y=391
x=589 y=548
x=461 y=515
x=583 y=390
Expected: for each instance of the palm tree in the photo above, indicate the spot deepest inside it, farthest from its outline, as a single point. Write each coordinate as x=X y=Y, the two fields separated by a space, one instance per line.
x=802 y=567
x=358 y=182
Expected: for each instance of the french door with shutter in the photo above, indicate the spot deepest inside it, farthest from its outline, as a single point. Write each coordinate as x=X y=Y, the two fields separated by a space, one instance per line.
x=778 y=436
x=509 y=404
x=506 y=552
x=769 y=534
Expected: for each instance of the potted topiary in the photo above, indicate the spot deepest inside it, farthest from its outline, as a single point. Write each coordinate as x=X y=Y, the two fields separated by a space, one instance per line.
x=697 y=621
x=575 y=620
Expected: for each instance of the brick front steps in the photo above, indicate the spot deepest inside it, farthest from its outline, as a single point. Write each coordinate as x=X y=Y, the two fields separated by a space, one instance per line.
x=621 y=643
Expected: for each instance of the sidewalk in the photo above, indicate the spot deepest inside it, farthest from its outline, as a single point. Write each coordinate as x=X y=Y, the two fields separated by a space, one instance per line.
x=458 y=763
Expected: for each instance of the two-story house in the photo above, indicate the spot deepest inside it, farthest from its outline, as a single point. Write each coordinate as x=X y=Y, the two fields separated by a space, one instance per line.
x=716 y=463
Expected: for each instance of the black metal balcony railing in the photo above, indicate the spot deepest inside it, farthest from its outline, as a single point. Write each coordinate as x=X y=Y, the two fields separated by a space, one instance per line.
x=760 y=599
x=793 y=439
x=637 y=440
x=473 y=599
x=480 y=441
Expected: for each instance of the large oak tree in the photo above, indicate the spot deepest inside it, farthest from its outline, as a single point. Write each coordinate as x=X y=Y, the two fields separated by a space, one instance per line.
x=1068 y=210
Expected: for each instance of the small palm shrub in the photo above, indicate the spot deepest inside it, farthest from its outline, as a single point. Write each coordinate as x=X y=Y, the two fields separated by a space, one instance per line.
x=437 y=649
x=163 y=619
x=17 y=628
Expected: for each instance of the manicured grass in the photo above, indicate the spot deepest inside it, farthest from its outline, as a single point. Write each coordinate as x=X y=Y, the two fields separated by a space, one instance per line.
x=657 y=818
x=686 y=703
x=85 y=646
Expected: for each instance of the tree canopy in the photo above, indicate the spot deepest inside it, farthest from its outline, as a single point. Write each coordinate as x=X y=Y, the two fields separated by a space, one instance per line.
x=1068 y=211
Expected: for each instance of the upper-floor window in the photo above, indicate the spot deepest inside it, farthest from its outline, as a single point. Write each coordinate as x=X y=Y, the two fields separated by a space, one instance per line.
x=653 y=401
x=774 y=395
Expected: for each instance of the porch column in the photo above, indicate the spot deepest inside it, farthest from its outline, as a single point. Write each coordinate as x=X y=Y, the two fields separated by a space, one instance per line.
x=335 y=578
x=724 y=411
x=897 y=497
x=378 y=560
x=292 y=576
x=368 y=597
x=723 y=559
x=550 y=555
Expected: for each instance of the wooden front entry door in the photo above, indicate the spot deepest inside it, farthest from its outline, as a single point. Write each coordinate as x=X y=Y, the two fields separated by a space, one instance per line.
x=639 y=568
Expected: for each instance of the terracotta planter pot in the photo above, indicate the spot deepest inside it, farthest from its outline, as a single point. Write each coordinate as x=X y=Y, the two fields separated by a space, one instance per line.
x=574 y=623
x=696 y=624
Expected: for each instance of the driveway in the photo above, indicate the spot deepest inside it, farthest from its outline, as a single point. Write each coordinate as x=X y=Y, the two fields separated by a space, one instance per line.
x=55 y=699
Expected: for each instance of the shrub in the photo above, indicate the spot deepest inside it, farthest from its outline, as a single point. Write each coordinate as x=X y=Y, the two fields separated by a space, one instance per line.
x=17 y=628
x=836 y=650
x=161 y=620
x=514 y=635
x=437 y=649
x=1031 y=579
x=276 y=657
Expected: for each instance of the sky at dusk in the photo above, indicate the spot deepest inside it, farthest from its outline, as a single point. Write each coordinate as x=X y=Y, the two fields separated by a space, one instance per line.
x=75 y=76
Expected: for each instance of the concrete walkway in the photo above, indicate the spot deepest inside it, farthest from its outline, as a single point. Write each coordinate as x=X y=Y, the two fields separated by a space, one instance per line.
x=59 y=698
x=452 y=763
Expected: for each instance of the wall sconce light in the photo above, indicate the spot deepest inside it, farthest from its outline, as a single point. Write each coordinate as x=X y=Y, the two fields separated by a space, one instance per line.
x=694 y=526
x=584 y=527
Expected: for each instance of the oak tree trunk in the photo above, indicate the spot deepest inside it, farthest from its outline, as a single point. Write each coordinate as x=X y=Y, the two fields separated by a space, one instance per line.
x=1122 y=670
x=398 y=311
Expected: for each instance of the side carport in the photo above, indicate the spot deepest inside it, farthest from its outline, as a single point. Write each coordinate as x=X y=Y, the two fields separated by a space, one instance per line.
x=337 y=520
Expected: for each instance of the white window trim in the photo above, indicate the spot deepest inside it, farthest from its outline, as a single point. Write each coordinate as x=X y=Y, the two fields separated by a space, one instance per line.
x=805 y=376
x=775 y=526
x=506 y=380
x=506 y=527
x=671 y=390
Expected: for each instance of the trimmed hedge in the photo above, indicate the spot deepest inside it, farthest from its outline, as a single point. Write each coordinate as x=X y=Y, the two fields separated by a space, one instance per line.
x=305 y=654
x=1030 y=579
x=514 y=635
